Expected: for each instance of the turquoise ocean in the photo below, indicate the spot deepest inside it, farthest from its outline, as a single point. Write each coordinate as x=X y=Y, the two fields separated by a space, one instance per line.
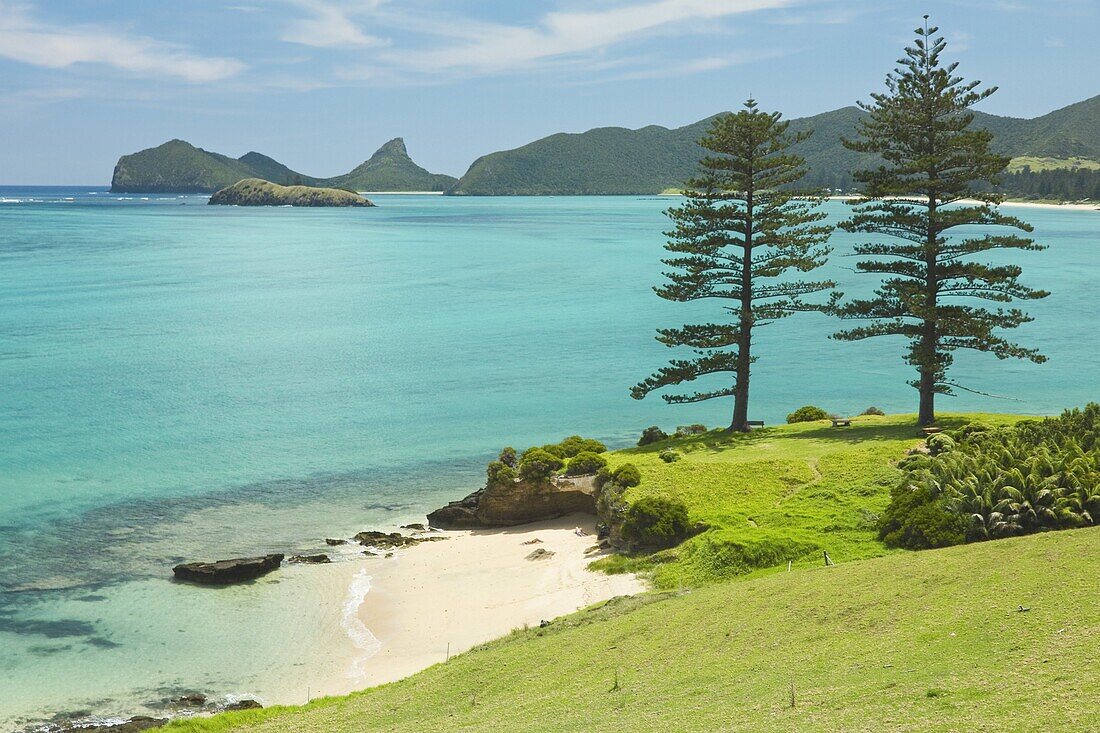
x=181 y=382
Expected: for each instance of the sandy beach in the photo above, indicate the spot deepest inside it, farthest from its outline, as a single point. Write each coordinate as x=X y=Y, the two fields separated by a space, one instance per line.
x=406 y=612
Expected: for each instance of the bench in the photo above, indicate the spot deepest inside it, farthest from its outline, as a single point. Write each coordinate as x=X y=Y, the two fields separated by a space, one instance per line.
x=839 y=422
x=755 y=423
x=932 y=430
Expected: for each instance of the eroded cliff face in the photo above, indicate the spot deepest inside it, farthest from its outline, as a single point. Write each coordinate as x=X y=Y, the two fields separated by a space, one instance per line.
x=518 y=502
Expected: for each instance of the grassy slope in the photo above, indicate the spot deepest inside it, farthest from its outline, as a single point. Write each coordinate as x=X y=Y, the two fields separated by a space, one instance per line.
x=910 y=641
x=928 y=641
x=775 y=495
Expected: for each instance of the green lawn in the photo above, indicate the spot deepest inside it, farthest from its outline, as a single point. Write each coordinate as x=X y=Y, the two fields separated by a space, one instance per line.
x=928 y=641
x=780 y=494
x=883 y=641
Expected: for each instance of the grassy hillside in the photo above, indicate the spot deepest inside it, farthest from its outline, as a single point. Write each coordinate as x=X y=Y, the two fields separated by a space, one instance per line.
x=391 y=169
x=928 y=641
x=615 y=160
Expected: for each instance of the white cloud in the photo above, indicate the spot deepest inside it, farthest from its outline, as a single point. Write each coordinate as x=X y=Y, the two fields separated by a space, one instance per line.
x=491 y=48
x=329 y=25
x=30 y=41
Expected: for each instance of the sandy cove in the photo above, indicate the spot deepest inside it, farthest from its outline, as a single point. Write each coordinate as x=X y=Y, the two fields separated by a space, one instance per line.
x=475 y=586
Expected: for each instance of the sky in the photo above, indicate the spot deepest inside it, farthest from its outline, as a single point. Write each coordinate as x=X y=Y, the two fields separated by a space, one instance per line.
x=320 y=84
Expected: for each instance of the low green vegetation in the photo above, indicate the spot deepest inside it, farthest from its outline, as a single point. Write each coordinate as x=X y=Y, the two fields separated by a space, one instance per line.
x=994 y=637
x=982 y=483
x=806 y=413
x=775 y=495
x=1035 y=163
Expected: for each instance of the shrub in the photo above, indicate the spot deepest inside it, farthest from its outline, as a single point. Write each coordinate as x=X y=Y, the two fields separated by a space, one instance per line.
x=682 y=431
x=652 y=434
x=538 y=465
x=940 y=443
x=654 y=521
x=585 y=463
x=508 y=457
x=915 y=520
x=627 y=475
x=573 y=445
x=499 y=474
x=808 y=413
x=873 y=411
x=669 y=456
x=971 y=429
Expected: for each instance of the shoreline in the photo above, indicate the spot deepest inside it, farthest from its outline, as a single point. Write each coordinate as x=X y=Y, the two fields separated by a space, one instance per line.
x=393 y=614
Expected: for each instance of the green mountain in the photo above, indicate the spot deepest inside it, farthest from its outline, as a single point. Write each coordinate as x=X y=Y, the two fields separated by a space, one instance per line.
x=615 y=160
x=391 y=169
x=179 y=167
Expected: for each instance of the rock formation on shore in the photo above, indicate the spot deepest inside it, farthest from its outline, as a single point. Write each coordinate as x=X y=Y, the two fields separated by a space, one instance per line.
x=257 y=192
x=518 y=502
x=226 y=572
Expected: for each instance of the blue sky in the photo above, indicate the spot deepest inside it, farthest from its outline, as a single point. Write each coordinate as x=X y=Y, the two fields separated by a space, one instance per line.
x=320 y=84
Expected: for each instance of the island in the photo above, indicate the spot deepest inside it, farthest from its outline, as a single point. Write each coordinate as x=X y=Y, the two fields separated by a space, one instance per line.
x=258 y=192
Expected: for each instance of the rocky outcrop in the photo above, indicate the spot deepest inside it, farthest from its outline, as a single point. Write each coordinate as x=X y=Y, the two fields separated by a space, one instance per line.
x=257 y=192
x=390 y=540
x=518 y=502
x=226 y=572
x=317 y=559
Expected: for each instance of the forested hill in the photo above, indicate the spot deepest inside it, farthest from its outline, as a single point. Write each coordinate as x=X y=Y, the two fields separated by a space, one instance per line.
x=615 y=160
x=179 y=167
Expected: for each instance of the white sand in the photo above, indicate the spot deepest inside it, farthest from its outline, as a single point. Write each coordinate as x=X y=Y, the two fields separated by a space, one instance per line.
x=473 y=587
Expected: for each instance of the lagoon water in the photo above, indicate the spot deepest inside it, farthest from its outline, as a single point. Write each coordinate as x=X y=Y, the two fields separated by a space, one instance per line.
x=180 y=381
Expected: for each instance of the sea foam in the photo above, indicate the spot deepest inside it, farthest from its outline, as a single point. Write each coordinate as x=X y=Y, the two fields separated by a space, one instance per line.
x=356 y=630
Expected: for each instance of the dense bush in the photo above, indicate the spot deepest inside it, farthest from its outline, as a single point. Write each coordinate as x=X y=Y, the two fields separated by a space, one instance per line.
x=585 y=463
x=808 y=413
x=940 y=443
x=573 y=445
x=508 y=457
x=873 y=411
x=683 y=431
x=499 y=474
x=652 y=434
x=655 y=522
x=669 y=456
x=627 y=475
x=917 y=521
x=1033 y=477
x=970 y=430
x=538 y=465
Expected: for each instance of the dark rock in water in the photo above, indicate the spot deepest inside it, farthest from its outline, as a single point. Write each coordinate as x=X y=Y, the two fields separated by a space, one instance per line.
x=518 y=502
x=242 y=705
x=333 y=543
x=415 y=526
x=225 y=572
x=194 y=700
x=310 y=559
x=386 y=540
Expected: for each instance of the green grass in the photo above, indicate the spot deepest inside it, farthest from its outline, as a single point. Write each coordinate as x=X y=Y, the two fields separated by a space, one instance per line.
x=929 y=641
x=778 y=495
x=1037 y=164
x=883 y=641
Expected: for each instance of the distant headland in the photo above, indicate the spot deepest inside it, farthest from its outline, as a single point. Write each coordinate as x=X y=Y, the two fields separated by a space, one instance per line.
x=1054 y=158
x=179 y=167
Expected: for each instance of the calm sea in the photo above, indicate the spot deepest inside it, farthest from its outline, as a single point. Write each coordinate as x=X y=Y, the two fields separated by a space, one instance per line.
x=180 y=381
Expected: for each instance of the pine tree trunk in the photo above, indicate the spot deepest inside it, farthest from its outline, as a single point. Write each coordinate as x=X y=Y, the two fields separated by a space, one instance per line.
x=926 y=414
x=744 y=343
